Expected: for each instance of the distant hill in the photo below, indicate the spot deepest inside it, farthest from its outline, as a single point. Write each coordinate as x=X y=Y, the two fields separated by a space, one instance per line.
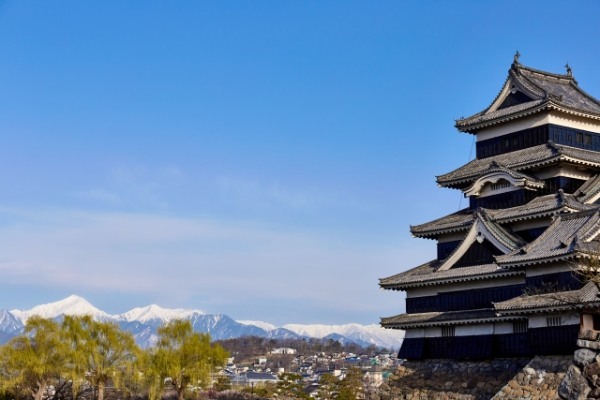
x=143 y=323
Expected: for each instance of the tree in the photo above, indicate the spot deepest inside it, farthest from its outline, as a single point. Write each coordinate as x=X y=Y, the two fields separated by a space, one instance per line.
x=222 y=383
x=35 y=360
x=183 y=357
x=290 y=386
x=329 y=386
x=101 y=353
x=351 y=386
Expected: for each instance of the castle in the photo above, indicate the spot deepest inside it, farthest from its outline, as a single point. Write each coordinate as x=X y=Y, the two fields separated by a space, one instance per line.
x=505 y=282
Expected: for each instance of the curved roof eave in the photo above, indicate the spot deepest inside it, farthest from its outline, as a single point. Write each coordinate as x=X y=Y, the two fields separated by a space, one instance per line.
x=549 y=105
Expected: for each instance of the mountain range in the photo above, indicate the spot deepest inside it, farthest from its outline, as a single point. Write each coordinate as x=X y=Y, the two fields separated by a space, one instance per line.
x=143 y=323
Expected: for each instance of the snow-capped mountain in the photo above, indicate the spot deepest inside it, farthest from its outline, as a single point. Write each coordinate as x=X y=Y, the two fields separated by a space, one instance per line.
x=263 y=325
x=143 y=323
x=360 y=334
x=72 y=305
x=154 y=312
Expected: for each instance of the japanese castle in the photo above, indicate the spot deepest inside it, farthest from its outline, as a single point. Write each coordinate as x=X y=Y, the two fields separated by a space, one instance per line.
x=503 y=282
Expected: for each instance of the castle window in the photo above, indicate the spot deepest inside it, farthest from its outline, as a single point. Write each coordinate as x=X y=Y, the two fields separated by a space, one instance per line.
x=520 y=326
x=553 y=321
x=501 y=184
x=448 y=331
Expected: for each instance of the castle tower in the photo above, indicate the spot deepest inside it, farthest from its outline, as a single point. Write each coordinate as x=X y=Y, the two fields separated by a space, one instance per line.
x=503 y=281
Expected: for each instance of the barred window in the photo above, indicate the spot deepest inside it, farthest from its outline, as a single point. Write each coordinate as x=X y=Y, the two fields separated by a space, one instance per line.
x=447 y=331
x=501 y=184
x=553 y=321
x=520 y=326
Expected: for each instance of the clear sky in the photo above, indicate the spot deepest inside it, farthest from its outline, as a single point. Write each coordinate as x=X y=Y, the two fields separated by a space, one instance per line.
x=262 y=159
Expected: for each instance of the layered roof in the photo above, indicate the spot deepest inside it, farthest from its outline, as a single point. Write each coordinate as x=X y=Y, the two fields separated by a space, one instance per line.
x=572 y=233
x=528 y=91
x=496 y=172
x=585 y=297
x=589 y=192
x=567 y=237
x=428 y=274
x=539 y=207
x=520 y=160
x=421 y=320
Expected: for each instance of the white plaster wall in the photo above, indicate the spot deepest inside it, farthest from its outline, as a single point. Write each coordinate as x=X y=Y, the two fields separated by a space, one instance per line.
x=459 y=286
x=574 y=122
x=414 y=333
x=472 y=330
x=568 y=171
x=503 y=327
x=433 y=332
x=512 y=126
x=540 y=321
x=553 y=117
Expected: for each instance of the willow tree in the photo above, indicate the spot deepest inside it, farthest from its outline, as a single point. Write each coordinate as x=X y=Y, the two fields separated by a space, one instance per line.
x=182 y=357
x=35 y=360
x=101 y=353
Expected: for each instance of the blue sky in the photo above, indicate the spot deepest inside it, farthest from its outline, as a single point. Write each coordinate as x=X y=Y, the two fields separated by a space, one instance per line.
x=260 y=159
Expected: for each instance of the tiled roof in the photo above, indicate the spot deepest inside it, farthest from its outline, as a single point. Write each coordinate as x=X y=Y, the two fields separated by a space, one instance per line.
x=403 y=321
x=496 y=170
x=458 y=221
x=589 y=191
x=427 y=274
x=542 y=206
x=567 y=235
x=520 y=160
x=546 y=90
x=527 y=303
x=500 y=233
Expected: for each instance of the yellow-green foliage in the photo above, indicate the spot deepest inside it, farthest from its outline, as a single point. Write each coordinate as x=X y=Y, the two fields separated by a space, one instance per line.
x=183 y=358
x=84 y=352
x=33 y=361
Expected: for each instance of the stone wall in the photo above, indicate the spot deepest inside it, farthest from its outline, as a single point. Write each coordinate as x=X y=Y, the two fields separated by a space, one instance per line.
x=515 y=378
x=583 y=376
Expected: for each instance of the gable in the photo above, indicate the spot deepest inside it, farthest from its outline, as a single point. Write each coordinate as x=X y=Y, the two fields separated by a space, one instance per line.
x=499 y=241
x=514 y=97
x=478 y=253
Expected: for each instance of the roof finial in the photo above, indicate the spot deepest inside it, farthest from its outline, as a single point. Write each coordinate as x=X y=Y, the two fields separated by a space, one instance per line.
x=569 y=72
x=517 y=55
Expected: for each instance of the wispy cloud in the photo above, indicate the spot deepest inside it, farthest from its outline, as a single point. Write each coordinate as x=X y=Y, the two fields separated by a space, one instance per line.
x=135 y=185
x=258 y=194
x=219 y=261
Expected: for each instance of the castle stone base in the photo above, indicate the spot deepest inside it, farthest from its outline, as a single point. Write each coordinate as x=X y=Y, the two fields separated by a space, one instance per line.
x=515 y=378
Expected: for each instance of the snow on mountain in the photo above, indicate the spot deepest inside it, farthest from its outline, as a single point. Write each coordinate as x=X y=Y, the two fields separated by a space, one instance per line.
x=72 y=305
x=143 y=323
x=154 y=312
x=263 y=325
x=9 y=324
x=373 y=334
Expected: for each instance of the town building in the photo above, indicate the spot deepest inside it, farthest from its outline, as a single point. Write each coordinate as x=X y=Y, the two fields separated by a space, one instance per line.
x=503 y=281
